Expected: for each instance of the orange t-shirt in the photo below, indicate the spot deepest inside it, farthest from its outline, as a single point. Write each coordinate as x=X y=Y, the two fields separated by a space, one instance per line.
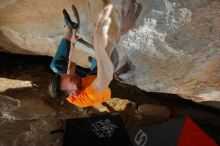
x=89 y=96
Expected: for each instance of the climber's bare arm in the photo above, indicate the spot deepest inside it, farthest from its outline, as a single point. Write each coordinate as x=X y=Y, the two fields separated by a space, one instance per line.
x=100 y=34
x=71 y=64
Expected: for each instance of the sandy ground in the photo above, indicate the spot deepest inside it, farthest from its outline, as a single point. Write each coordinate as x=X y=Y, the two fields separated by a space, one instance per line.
x=28 y=113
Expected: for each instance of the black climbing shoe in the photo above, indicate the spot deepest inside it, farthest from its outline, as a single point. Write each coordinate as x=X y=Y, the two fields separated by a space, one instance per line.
x=90 y=59
x=67 y=20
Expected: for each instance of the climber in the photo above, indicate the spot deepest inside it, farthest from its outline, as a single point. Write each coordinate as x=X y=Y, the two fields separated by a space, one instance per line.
x=91 y=89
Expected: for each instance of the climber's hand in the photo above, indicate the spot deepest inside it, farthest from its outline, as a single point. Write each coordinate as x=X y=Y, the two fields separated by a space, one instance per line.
x=101 y=28
x=74 y=38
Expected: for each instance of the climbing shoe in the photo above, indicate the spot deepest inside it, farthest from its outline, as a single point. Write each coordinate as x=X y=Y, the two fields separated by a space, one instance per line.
x=67 y=20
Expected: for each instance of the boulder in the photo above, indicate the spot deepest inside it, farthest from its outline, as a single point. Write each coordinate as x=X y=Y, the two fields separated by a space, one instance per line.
x=173 y=47
x=168 y=46
x=154 y=111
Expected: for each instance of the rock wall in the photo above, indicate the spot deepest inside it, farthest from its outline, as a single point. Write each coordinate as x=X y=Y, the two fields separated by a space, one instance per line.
x=173 y=47
x=169 y=46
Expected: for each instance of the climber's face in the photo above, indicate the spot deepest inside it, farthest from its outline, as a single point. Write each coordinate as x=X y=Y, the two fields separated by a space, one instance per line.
x=70 y=84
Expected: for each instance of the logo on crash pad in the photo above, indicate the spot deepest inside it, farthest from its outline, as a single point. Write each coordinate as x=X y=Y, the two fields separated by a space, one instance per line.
x=104 y=128
x=140 y=138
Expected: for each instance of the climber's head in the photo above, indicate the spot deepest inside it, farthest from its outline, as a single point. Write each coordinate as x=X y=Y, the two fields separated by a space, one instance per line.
x=65 y=85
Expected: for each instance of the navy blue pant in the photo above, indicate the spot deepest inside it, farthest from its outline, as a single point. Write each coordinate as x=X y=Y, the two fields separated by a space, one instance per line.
x=59 y=63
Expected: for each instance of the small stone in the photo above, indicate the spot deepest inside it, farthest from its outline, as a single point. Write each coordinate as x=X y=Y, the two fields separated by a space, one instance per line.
x=8 y=104
x=153 y=110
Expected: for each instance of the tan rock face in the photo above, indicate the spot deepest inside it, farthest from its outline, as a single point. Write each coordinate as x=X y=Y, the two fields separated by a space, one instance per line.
x=170 y=46
x=174 y=47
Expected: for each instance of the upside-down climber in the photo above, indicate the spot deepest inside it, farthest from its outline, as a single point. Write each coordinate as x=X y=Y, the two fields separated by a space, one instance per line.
x=80 y=86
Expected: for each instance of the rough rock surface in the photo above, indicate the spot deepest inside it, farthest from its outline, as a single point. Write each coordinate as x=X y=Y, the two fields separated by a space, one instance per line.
x=169 y=46
x=174 y=47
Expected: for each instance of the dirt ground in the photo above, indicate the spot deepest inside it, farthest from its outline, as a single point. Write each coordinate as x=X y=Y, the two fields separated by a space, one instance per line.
x=28 y=113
